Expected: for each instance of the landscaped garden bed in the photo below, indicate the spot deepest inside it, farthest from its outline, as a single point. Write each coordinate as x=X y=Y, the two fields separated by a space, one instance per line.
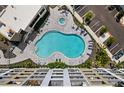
x=30 y=64
x=120 y=65
x=102 y=59
x=24 y=64
x=88 y=17
x=111 y=40
x=103 y=30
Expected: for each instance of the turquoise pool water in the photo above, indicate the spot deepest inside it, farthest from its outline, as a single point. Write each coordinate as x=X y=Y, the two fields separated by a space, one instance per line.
x=70 y=45
x=61 y=21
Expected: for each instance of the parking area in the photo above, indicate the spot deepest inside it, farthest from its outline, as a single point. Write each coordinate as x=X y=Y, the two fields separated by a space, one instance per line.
x=95 y=25
x=113 y=11
x=103 y=16
x=81 y=9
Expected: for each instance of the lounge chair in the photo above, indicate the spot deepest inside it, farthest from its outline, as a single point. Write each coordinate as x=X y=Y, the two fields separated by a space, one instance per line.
x=90 y=41
x=82 y=31
x=90 y=46
x=85 y=34
x=88 y=54
x=77 y=28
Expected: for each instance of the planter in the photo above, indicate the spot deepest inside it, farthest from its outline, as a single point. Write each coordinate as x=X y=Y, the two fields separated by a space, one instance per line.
x=88 y=16
x=103 y=30
x=110 y=41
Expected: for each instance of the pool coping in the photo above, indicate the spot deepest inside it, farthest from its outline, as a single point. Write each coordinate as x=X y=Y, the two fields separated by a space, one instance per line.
x=61 y=54
x=58 y=51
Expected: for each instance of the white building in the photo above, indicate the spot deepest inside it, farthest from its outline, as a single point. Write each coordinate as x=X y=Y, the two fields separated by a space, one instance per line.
x=61 y=77
x=15 y=20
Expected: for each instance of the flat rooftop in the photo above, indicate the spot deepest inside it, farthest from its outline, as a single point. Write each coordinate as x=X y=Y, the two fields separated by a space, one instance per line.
x=16 y=17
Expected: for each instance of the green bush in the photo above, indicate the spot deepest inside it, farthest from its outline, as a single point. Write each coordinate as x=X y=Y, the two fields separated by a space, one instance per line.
x=2 y=38
x=29 y=64
x=110 y=41
x=24 y=64
x=87 y=64
x=102 y=58
x=88 y=16
x=120 y=65
x=57 y=65
x=103 y=30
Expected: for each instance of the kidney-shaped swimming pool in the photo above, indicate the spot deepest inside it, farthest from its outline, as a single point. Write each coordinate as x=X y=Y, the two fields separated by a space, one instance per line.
x=71 y=45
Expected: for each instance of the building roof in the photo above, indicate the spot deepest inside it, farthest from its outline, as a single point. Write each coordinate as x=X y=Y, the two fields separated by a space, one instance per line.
x=17 y=17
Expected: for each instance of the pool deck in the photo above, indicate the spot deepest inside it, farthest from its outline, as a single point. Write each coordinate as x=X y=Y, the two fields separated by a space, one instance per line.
x=52 y=24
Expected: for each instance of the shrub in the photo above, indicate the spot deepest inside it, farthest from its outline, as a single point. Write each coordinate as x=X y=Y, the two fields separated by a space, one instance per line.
x=57 y=65
x=102 y=58
x=110 y=41
x=103 y=30
x=24 y=64
x=88 y=16
x=87 y=64
x=120 y=65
